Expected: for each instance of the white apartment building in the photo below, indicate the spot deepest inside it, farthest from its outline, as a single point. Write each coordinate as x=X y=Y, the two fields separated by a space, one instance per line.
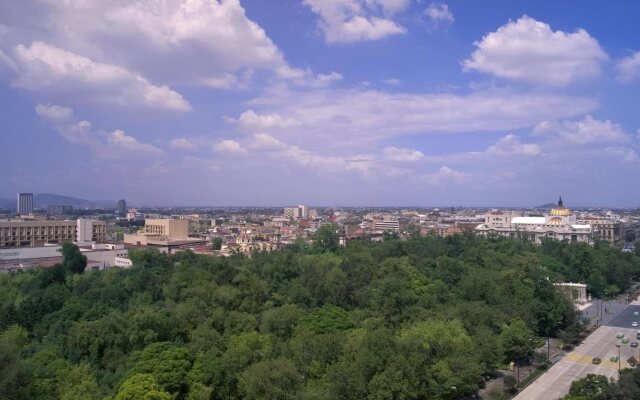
x=25 y=203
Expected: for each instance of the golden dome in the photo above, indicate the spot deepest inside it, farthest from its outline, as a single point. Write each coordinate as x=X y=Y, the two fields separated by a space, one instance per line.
x=560 y=210
x=556 y=221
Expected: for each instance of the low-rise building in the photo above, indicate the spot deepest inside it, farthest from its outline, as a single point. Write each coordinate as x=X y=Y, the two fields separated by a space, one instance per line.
x=40 y=233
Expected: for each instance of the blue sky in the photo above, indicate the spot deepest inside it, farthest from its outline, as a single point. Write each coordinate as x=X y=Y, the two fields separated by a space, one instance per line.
x=325 y=102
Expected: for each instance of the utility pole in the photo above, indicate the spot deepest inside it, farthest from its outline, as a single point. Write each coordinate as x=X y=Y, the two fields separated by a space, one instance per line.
x=619 y=366
x=518 y=372
x=548 y=348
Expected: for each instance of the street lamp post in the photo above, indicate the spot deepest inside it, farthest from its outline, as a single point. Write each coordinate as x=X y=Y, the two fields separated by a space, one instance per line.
x=518 y=372
x=619 y=366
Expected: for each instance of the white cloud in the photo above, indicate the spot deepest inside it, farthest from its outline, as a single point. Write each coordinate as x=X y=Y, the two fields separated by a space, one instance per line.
x=54 y=113
x=115 y=144
x=528 y=50
x=119 y=141
x=392 y=81
x=182 y=144
x=439 y=13
x=195 y=42
x=360 y=117
x=402 y=155
x=357 y=20
x=445 y=175
x=510 y=145
x=228 y=146
x=264 y=141
x=622 y=153
x=44 y=68
x=251 y=120
x=629 y=68
x=504 y=150
x=587 y=131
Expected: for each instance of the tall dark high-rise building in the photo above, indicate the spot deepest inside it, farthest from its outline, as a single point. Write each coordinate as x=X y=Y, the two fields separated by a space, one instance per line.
x=25 y=203
x=122 y=207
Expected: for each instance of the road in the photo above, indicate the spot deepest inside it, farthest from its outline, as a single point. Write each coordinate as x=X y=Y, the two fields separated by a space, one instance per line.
x=555 y=383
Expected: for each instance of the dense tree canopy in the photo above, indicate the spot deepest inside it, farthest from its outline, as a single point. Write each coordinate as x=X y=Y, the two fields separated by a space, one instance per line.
x=404 y=319
x=598 y=387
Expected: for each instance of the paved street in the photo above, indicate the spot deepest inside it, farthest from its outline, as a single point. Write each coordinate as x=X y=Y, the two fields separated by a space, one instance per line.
x=609 y=310
x=556 y=382
x=625 y=318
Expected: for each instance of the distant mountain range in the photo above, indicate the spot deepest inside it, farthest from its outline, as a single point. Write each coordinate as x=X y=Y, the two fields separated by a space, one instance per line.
x=43 y=200
x=546 y=206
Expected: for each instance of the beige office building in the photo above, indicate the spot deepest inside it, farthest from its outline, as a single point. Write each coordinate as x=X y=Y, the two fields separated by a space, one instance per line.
x=159 y=230
x=40 y=233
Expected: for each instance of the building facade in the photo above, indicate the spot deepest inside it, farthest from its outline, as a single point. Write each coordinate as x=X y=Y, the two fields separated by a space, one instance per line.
x=59 y=210
x=40 y=233
x=559 y=224
x=121 y=208
x=607 y=229
x=159 y=230
x=292 y=212
x=25 y=203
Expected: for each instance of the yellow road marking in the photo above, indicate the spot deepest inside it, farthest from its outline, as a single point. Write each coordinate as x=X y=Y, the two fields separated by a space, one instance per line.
x=578 y=358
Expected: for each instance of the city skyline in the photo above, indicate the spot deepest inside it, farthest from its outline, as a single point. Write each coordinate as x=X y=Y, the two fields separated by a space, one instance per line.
x=376 y=103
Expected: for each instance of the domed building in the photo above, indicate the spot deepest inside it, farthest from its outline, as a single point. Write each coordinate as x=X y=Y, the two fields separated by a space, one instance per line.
x=559 y=224
x=560 y=215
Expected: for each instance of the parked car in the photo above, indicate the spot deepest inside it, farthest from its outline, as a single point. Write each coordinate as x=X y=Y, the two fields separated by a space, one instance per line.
x=634 y=324
x=634 y=344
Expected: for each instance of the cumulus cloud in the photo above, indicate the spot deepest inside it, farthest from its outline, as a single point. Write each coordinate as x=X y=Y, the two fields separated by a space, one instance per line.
x=182 y=144
x=629 y=68
x=445 y=175
x=230 y=147
x=402 y=155
x=264 y=141
x=510 y=145
x=504 y=150
x=439 y=14
x=129 y=53
x=587 y=131
x=54 y=113
x=530 y=51
x=115 y=144
x=43 y=68
x=251 y=120
x=345 y=21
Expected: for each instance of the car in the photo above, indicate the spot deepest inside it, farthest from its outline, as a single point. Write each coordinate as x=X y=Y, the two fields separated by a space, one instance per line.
x=596 y=360
x=634 y=344
x=625 y=340
x=635 y=313
x=634 y=324
x=619 y=335
x=613 y=358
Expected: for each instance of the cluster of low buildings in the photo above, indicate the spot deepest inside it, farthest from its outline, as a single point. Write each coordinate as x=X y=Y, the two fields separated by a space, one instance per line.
x=560 y=223
x=31 y=238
